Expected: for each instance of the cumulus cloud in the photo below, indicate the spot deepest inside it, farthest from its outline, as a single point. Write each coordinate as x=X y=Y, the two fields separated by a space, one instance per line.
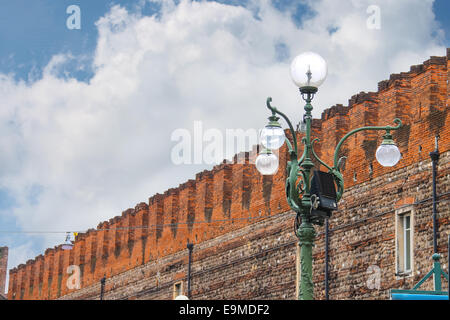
x=76 y=153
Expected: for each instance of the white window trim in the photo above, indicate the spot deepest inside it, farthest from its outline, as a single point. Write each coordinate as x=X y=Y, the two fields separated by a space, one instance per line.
x=401 y=274
x=174 y=293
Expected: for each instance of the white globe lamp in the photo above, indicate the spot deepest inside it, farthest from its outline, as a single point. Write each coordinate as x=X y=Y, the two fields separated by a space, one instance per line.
x=267 y=163
x=308 y=71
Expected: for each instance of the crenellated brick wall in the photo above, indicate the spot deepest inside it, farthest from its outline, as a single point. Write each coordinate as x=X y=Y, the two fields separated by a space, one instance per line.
x=232 y=207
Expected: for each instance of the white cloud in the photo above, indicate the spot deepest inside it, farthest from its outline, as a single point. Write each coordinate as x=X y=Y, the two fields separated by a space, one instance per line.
x=94 y=149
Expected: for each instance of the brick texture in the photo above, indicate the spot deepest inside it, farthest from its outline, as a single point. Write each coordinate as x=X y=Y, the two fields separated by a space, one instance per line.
x=242 y=227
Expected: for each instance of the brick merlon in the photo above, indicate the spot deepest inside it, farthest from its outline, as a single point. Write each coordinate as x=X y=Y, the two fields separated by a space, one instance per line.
x=436 y=61
x=155 y=198
x=49 y=250
x=127 y=212
x=335 y=110
x=114 y=220
x=203 y=174
x=140 y=206
x=188 y=184
x=417 y=68
x=103 y=225
x=220 y=167
x=362 y=97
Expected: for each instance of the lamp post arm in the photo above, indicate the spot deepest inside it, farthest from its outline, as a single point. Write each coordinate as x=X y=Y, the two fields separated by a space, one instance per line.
x=292 y=193
x=304 y=150
x=338 y=147
x=291 y=128
x=289 y=146
x=316 y=156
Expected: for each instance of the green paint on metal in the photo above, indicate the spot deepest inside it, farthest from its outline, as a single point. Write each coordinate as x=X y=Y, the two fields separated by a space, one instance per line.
x=438 y=275
x=437 y=272
x=298 y=181
x=443 y=293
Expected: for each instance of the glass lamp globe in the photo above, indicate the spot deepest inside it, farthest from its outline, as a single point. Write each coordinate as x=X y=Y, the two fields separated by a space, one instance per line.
x=308 y=70
x=272 y=137
x=267 y=163
x=388 y=154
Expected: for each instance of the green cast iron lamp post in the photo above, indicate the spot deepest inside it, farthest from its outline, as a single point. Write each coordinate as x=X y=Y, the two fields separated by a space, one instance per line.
x=308 y=72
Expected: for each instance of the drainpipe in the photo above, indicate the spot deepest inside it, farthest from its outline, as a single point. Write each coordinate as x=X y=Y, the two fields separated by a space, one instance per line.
x=102 y=287
x=326 y=260
x=190 y=247
x=435 y=158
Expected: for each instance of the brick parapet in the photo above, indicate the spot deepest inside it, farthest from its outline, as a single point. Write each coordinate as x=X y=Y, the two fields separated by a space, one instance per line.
x=236 y=191
x=258 y=260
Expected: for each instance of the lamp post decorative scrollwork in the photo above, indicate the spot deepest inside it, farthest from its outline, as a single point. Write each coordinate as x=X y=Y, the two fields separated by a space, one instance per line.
x=308 y=71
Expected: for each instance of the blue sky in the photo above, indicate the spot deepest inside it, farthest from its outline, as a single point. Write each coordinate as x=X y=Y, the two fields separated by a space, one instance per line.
x=441 y=9
x=33 y=32
x=36 y=30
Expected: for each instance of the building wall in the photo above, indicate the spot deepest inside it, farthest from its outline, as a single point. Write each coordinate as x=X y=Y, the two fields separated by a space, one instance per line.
x=3 y=268
x=241 y=225
x=259 y=260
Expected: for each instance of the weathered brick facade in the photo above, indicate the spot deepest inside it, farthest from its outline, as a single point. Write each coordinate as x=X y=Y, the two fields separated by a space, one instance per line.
x=242 y=227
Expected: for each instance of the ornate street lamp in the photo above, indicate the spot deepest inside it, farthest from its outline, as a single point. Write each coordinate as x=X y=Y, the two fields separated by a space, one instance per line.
x=68 y=243
x=309 y=71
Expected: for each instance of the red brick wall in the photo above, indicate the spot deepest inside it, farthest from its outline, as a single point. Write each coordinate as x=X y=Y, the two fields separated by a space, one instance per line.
x=419 y=98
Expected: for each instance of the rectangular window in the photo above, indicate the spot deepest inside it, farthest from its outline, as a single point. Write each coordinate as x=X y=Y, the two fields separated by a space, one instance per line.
x=177 y=289
x=407 y=242
x=404 y=242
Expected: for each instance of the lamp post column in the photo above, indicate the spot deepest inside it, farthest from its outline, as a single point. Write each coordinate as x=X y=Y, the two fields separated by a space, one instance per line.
x=190 y=247
x=435 y=159
x=308 y=71
x=306 y=232
x=306 y=235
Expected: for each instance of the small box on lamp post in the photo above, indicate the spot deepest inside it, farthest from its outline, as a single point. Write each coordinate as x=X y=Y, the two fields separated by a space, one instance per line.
x=323 y=196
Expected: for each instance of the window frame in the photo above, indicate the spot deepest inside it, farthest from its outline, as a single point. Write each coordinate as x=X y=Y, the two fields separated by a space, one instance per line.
x=406 y=235
x=175 y=285
x=401 y=252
